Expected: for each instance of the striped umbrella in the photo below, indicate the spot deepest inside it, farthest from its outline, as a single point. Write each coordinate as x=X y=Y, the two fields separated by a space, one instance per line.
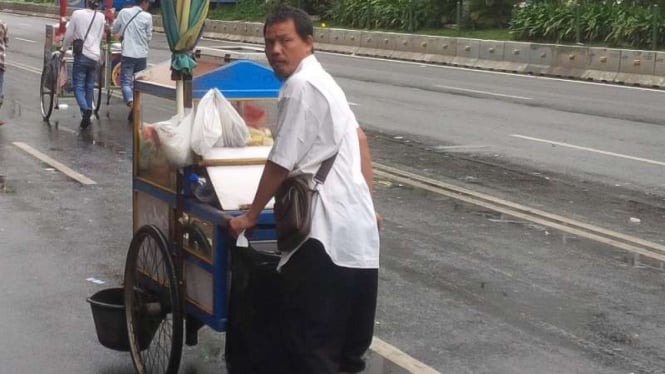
x=183 y=22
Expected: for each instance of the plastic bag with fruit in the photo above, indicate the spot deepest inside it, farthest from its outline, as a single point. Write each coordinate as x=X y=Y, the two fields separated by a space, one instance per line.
x=217 y=124
x=175 y=137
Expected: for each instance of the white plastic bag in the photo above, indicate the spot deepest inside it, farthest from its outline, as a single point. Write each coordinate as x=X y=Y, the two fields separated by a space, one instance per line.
x=217 y=124
x=175 y=138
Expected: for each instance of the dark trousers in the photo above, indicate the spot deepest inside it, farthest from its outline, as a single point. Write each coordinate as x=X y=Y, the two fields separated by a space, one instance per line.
x=327 y=312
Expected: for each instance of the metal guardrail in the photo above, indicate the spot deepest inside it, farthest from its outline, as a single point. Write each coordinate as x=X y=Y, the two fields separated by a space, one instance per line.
x=634 y=67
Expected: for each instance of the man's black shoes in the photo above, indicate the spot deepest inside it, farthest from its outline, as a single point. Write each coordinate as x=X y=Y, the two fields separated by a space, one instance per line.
x=85 y=121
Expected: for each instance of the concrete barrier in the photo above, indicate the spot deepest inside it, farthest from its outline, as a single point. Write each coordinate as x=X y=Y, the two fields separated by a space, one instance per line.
x=515 y=57
x=468 y=52
x=321 y=37
x=377 y=44
x=637 y=68
x=406 y=47
x=540 y=58
x=490 y=55
x=226 y=30
x=441 y=50
x=603 y=64
x=659 y=71
x=344 y=41
x=254 y=33
x=568 y=61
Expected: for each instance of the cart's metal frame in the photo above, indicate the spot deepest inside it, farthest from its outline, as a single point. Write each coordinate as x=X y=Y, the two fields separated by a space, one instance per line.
x=177 y=272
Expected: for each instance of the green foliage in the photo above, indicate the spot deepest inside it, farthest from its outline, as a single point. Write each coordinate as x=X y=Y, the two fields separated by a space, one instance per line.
x=490 y=13
x=244 y=10
x=626 y=23
x=406 y=15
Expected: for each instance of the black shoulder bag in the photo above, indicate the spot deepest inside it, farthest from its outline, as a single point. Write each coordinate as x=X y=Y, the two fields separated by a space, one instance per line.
x=77 y=44
x=293 y=206
x=122 y=35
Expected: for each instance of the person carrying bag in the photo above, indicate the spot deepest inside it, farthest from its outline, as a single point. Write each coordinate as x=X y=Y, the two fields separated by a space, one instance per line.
x=77 y=44
x=337 y=264
x=135 y=46
x=122 y=35
x=87 y=54
x=293 y=206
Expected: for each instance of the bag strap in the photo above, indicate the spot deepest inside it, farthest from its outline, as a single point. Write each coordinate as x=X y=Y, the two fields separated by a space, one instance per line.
x=325 y=167
x=130 y=21
x=94 y=14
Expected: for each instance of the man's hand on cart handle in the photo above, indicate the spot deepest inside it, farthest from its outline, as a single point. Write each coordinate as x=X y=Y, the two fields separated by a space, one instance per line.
x=239 y=224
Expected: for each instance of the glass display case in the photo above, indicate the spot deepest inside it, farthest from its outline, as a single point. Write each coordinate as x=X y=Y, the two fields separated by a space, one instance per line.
x=251 y=88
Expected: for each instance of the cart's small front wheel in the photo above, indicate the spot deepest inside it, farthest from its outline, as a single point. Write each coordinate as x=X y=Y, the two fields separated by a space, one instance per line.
x=47 y=91
x=152 y=304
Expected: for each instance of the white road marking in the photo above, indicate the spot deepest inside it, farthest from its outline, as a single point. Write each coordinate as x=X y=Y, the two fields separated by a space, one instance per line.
x=616 y=239
x=660 y=163
x=482 y=92
x=55 y=164
x=400 y=358
x=353 y=104
x=26 y=40
x=95 y=280
x=24 y=67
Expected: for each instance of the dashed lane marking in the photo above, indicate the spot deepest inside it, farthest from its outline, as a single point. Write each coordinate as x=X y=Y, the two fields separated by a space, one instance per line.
x=55 y=164
x=26 y=40
x=628 y=157
x=24 y=67
x=488 y=93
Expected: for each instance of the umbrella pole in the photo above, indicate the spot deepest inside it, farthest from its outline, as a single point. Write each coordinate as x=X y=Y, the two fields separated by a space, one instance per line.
x=180 y=96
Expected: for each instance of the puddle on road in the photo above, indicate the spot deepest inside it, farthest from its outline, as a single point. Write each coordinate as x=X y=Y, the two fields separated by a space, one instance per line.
x=6 y=186
x=93 y=135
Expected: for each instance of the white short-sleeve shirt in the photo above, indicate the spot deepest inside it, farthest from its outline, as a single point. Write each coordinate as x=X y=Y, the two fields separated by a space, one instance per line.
x=315 y=121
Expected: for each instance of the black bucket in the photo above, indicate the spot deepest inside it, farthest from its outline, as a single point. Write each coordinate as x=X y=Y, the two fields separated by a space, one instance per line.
x=108 y=312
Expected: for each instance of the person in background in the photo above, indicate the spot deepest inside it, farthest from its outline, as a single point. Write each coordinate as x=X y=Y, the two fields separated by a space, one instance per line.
x=134 y=27
x=329 y=283
x=85 y=70
x=4 y=39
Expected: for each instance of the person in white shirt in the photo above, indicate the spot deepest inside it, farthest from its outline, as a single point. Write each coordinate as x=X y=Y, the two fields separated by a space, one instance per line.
x=87 y=25
x=134 y=26
x=329 y=283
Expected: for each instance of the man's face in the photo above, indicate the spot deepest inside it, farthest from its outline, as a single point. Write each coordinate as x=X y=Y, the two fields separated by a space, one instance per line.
x=285 y=49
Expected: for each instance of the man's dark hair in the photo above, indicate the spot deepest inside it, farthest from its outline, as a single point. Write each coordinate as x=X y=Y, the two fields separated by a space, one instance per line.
x=283 y=13
x=93 y=4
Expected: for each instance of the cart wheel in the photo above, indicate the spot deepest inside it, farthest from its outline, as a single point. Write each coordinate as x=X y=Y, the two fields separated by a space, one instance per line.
x=46 y=92
x=153 y=305
x=99 y=87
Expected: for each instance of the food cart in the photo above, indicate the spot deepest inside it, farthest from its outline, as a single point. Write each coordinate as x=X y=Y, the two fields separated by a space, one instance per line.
x=178 y=269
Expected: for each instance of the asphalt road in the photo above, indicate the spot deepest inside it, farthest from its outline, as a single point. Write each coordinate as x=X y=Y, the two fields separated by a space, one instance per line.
x=462 y=289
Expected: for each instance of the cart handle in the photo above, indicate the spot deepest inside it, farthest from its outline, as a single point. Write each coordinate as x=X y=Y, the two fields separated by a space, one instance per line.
x=232 y=162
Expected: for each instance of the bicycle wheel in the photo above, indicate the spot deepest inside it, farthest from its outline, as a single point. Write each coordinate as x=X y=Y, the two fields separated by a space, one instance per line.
x=47 y=91
x=153 y=306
